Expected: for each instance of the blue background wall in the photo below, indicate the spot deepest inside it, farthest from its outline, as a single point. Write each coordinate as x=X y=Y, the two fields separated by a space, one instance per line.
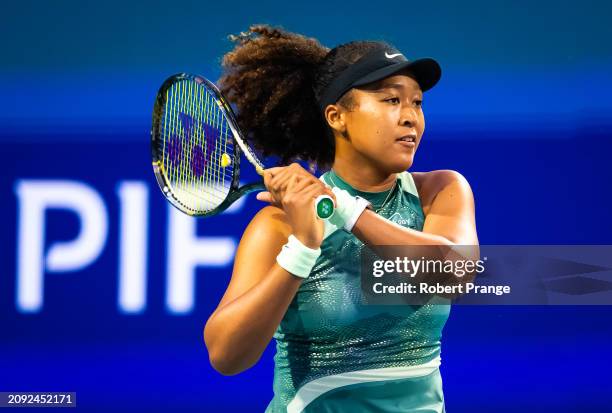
x=522 y=112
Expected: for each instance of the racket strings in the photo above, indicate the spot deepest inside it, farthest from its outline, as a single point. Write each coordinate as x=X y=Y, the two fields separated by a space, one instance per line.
x=196 y=136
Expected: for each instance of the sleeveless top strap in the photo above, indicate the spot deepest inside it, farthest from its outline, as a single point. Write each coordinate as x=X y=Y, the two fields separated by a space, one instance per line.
x=407 y=182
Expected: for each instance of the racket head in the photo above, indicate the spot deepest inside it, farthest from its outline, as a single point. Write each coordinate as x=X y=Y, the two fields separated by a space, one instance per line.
x=193 y=145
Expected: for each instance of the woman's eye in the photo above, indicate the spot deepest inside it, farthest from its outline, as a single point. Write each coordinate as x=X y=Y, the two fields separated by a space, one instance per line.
x=419 y=103
x=393 y=100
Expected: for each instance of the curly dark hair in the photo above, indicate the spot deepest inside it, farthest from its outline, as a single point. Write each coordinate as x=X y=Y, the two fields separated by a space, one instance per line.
x=275 y=78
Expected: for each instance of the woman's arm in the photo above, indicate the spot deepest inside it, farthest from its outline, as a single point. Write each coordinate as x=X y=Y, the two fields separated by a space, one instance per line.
x=260 y=290
x=450 y=226
x=446 y=197
x=450 y=218
x=256 y=299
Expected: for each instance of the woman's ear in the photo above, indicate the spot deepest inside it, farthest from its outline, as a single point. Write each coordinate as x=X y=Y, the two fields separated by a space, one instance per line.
x=335 y=117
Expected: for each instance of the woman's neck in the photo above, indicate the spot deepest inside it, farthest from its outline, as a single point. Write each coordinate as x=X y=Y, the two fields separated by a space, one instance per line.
x=362 y=177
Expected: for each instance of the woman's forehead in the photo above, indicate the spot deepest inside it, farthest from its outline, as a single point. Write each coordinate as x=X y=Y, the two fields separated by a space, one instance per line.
x=400 y=81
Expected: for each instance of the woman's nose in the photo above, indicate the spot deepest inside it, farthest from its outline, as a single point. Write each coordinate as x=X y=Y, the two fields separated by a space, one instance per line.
x=408 y=117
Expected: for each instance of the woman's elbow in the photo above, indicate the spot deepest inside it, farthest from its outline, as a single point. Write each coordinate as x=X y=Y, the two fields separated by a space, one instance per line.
x=216 y=360
x=222 y=367
x=224 y=364
x=220 y=359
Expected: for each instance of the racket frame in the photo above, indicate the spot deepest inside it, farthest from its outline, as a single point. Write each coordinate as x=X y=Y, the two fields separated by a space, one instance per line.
x=235 y=191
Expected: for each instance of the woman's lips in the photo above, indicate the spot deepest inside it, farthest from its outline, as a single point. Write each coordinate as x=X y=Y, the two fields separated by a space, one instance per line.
x=407 y=144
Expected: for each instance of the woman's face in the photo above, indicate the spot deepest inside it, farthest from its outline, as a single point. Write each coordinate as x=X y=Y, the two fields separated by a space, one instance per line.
x=384 y=117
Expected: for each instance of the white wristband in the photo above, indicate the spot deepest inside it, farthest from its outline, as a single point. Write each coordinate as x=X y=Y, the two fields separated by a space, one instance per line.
x=297 y=258
x=360 y=206
x=348 y=208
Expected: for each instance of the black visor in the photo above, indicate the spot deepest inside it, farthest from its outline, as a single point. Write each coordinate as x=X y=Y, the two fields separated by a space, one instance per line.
x=379 y=64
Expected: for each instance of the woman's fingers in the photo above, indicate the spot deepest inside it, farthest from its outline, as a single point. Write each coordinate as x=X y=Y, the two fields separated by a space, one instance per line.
x=285 y=186
x=272 y=177
x=294 y=185
x=309 y=193
x=312 y=191
x=328 y=191
x=267 y=178
x=277 y=179
x=265 y=196
x=282 y=179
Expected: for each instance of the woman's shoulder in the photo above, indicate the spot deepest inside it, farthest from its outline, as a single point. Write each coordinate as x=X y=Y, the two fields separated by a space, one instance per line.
x=270 y=223
x=439 y=176
x=430 y=183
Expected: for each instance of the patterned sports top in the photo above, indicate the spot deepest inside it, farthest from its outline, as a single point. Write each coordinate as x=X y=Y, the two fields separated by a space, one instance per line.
x=326 y=331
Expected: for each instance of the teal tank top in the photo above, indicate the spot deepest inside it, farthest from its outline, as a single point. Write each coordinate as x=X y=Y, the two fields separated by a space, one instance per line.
x=327 y=331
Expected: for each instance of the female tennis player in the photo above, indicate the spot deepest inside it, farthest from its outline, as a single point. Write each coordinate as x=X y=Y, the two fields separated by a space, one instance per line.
x=356 y=111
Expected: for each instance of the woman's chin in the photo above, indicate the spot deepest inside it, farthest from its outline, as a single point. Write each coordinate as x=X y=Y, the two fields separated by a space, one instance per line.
x=400 y=165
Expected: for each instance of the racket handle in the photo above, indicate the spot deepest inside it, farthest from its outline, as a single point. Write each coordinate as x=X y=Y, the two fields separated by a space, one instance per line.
x=324 y=206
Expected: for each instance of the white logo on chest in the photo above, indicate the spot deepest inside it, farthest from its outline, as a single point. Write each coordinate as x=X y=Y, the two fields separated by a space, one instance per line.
x=400 y=220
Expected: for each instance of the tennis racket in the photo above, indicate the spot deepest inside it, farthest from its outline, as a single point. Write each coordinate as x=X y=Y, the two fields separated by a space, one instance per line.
x=196 y=146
